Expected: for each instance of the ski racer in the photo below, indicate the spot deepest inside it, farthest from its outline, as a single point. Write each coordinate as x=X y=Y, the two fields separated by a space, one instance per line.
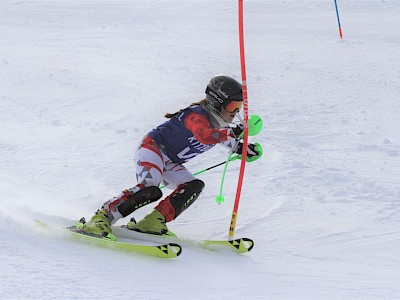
x=161 y=155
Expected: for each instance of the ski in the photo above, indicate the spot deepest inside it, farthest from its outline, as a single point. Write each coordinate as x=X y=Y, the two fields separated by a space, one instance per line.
x=165 y=250
x=239 y=245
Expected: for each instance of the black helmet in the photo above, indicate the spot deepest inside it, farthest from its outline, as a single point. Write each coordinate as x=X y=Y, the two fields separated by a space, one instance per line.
x=222 y=90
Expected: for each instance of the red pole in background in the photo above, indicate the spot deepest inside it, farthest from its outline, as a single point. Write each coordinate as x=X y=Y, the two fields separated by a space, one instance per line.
x=245 y=121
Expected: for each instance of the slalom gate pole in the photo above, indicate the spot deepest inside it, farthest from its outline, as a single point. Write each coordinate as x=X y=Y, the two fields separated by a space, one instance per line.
x=245 y=123
x=338 y=19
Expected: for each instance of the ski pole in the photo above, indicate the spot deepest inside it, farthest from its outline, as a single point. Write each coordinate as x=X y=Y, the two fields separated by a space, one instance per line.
x=212 y=167
x=255 y=124
x=219 y=199
x=338 y=19
x=217 y=165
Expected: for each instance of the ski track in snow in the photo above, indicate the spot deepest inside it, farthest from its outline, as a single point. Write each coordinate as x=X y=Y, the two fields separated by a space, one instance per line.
x=83 y=81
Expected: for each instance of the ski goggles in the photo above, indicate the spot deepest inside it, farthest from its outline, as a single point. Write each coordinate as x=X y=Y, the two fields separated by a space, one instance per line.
x=232 y=106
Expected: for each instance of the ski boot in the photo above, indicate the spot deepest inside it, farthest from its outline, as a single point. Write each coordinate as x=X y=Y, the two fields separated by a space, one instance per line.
x=99 y=225
x=153 y=223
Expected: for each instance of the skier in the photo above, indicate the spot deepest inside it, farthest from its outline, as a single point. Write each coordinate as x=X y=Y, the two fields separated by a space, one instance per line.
x=163 y=151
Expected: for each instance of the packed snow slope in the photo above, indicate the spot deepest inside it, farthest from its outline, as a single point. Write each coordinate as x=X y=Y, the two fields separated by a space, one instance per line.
x=81 y=82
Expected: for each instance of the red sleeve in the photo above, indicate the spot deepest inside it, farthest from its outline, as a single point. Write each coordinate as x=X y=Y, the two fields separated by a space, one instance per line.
x=202 y=131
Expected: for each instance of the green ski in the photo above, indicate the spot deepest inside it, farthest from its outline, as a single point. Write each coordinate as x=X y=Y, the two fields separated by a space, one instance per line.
x=166 y=250
x=240 y=245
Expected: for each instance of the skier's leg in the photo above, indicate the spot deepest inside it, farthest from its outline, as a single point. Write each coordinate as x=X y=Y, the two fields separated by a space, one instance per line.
x=149 y=163
x=180 y=199
x=188 y=189
x=130 y=200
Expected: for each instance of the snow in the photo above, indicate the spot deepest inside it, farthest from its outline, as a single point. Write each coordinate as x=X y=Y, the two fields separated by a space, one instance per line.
x=83 y=81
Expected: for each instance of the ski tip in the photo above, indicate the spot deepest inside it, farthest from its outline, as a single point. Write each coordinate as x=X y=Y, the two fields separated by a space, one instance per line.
x=250 y=244
x=170 y=250
x=242 y=245
x=177 y=249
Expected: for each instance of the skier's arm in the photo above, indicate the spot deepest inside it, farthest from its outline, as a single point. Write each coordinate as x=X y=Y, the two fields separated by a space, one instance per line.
x=203 y=132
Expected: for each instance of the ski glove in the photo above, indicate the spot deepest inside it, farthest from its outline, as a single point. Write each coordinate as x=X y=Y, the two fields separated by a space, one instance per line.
x=237 y=130
x=252 y=150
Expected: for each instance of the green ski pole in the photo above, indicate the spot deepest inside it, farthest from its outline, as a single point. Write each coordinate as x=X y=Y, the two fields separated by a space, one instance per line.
x=255 y=125
x=212 y=167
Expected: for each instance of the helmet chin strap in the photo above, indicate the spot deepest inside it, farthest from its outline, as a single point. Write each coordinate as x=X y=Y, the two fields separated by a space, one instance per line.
x=216 y=118
x=240 y=118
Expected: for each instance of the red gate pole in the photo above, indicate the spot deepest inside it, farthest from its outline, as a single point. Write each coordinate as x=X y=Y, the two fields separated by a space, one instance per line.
x=245 y=121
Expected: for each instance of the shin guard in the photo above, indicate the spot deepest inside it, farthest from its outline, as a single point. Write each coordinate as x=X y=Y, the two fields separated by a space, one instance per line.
x=139 y=199
x=180 y=199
